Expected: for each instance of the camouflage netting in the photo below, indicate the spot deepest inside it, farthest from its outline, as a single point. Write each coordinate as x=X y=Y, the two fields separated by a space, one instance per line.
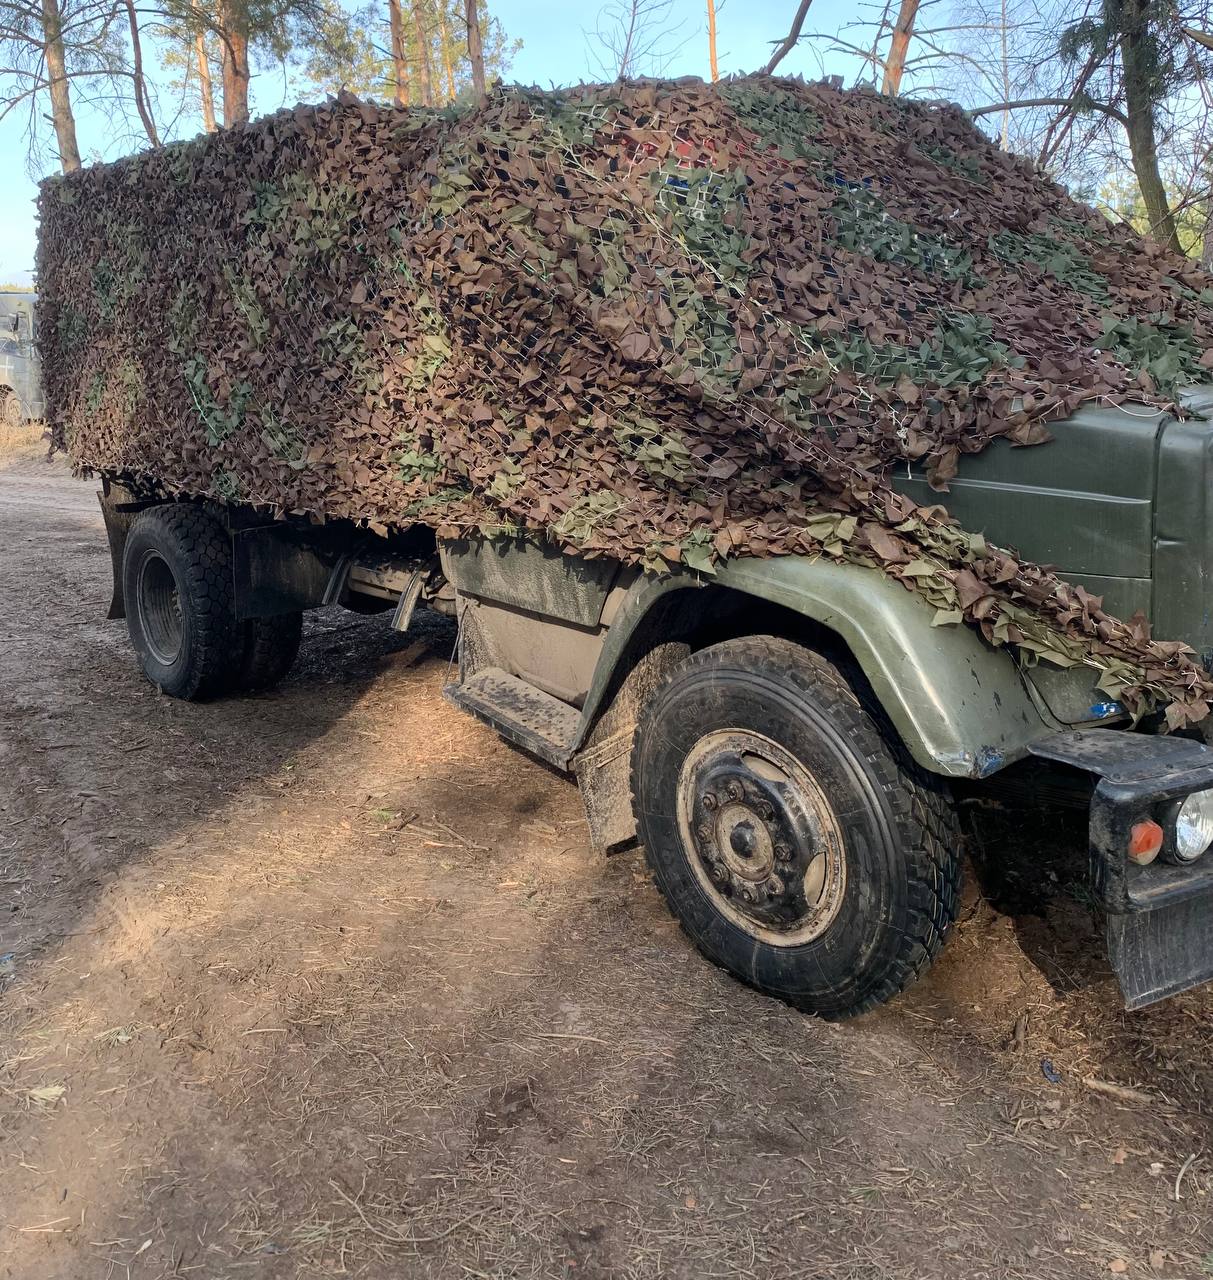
x=667 y=322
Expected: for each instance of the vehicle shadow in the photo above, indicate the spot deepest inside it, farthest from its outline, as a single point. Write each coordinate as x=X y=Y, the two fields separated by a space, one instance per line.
x=1026 y=974
x=100 y=768
x=1029 y=861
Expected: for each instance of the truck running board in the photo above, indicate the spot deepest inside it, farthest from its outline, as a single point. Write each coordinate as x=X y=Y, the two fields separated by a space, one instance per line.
x=524 y=715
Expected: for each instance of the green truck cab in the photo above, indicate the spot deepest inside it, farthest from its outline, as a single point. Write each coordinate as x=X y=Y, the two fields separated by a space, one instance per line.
x=781 y=736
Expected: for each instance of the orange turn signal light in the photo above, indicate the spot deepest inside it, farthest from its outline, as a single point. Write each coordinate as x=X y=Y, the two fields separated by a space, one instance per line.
x=1145 y=842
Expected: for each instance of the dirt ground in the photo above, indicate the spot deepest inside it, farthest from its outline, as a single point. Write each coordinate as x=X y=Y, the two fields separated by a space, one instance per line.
x=327 y=982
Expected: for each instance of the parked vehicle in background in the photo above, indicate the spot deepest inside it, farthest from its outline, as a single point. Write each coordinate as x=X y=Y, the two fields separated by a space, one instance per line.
x=20 y=373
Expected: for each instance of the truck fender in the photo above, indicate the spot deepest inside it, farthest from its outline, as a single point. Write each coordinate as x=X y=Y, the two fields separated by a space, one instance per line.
x=118 y=509
x=962 y=707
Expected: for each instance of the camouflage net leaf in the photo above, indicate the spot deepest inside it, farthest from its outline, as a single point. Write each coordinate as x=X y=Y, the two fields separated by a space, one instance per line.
x=667 y=322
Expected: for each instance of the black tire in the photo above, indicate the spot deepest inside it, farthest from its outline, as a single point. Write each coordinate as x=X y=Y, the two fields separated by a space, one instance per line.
x=177 y=587
x=806 y=789
x=271 y=646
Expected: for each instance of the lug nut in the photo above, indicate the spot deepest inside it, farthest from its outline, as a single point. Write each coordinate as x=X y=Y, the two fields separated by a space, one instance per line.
x=709 y=800
x=764 y=811
x=735 y=791
x=783 y=852
x=704 y=832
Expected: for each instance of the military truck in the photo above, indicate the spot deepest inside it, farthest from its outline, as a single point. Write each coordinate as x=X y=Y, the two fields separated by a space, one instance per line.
x=782 y=737
x=20 y=380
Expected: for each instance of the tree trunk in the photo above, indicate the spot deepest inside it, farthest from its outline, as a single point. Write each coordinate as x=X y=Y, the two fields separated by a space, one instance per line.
x=895 y=64
x=1206 y=239
x=445 y=38
x=1139 y=107
x=712 y=63
x=233 y=22
x=424 y=74
x=1004 y=141
x=143 y=103
x=400 y=64
x=206 y=92
x=475 y=48
x=61 y=100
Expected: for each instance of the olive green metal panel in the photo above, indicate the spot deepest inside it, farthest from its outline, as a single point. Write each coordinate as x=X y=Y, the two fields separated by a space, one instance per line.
x=1072 y=695
x=1086 y=503
x=960 y=706
x=1121 y=502
x=1083 y=502
x=531 y=574
x=1121 y=596
x=1183 y=537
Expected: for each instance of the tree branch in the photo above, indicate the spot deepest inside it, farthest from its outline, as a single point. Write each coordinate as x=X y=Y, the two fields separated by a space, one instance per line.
x=1073 y=103
x=789 y=41
x=1201 y=37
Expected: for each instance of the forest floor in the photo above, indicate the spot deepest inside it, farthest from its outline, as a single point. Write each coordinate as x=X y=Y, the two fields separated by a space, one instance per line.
x=327 y=982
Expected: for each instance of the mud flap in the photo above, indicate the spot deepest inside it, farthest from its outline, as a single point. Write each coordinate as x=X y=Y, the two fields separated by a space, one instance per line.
x=118 y=511
x=1158 y=953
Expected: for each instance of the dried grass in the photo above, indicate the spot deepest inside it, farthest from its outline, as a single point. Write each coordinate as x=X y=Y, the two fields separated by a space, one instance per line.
x=21 y=444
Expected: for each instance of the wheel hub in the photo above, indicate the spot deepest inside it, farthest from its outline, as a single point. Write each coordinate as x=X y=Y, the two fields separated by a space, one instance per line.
x=159 y=605
x=761 y=835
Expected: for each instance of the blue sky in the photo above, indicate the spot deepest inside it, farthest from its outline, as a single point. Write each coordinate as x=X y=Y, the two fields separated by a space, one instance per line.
x=555 y=50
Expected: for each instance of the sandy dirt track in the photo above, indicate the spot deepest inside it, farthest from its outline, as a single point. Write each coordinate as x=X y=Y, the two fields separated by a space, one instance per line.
x=327 y=982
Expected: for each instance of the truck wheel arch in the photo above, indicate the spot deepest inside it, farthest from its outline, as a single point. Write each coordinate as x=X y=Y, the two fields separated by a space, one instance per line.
x=961 y=707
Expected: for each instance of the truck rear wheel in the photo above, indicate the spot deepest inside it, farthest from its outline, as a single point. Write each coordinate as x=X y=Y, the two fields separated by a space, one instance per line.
x=795 y=844
x=271 y=646
x=177 y=584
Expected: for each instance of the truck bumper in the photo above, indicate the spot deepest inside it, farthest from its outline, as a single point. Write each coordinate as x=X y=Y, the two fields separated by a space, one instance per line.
x=1159 y=917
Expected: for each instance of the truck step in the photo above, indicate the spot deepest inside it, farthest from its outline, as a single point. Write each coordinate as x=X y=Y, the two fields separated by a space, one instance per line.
x=522 y=714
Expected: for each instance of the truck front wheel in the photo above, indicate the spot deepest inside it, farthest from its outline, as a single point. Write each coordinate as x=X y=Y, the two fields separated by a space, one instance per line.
x=177 y=584
x=795 y=844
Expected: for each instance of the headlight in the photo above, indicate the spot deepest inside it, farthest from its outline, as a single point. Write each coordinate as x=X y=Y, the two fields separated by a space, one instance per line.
x=1193 y=827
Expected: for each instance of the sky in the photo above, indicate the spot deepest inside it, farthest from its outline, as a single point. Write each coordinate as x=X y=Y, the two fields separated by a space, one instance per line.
x=557 y=48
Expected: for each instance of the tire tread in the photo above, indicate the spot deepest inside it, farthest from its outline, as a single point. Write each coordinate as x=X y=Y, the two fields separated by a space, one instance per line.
x=205 y=549
x=921 y=809
x=270 y=648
